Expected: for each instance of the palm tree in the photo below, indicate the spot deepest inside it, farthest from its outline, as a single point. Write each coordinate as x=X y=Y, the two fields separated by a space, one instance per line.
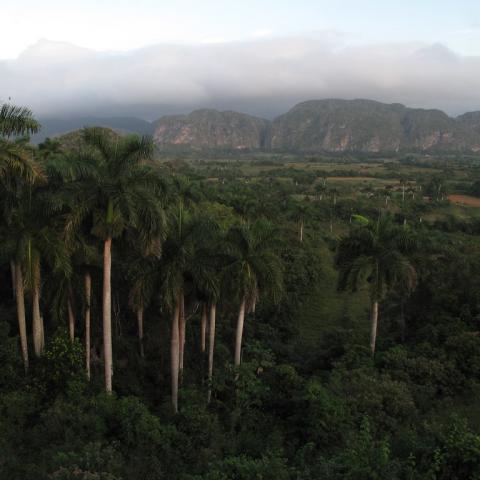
x=9 y=254
x=210 y=260
x=320 y=190
x=16 y=157
x=35 y=241
x=80 y=245
x=18 y=169
x=178 y=269
x=403 y=185
x=375 y=255
x=114 y=181
x=300 y=211
x=177 y=255
x=254 y=269
x=143 y=273
x=16 y=120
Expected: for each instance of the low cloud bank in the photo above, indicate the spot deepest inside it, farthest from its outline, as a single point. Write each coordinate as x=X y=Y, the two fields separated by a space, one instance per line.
x=264 y=77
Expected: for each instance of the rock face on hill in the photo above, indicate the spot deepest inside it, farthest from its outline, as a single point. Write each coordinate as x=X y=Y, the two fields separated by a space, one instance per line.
x=368 y=126
x=205 y=129
x=313 y=126
x=471 y=122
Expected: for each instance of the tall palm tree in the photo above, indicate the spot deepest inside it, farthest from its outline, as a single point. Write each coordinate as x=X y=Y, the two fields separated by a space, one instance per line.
x=18 y=170
x=376 y=255
x=35 y=241
x=254 y=269
x=210 y=261
x=115 y=182
x=81 y=246
x=143 y=273
x=300 y=212
x=16 y=157
x=185 y=233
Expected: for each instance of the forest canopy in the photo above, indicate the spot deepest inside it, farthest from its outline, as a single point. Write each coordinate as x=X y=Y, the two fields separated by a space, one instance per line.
x=246 y=318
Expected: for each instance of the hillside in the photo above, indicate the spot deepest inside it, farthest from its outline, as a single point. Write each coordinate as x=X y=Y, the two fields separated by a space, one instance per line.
x=211 y=129
x=53 y=127
x=368 y=126
x=314 y=126
x=470 y=121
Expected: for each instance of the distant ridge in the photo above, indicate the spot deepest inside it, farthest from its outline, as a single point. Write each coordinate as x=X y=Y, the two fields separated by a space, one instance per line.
x=53 y=127
x=369 y=126
x=330 y=125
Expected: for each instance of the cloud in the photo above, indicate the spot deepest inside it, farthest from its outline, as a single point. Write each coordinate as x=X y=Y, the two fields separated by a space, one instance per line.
x=262 y=33
x=265 y=76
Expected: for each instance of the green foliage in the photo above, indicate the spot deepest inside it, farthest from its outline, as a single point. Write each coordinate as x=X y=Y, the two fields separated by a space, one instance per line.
x=62 y=365
x=308 y=401
x=245 y=468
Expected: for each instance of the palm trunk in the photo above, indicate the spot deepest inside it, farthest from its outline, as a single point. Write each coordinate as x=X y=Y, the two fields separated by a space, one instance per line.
x=36 y=317
x=239 y=334
x=71 y=318
x=181 y=333
x=107 y=313
x=301 y=230
x=374 y=320
x=203 y=328
x=211 y=347
x=88 y=296
x=174 y=356
x=140 y=330
x=22 y=326
x=42 y=332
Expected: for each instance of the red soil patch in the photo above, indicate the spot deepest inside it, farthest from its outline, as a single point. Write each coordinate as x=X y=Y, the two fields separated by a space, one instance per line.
x=465 y=200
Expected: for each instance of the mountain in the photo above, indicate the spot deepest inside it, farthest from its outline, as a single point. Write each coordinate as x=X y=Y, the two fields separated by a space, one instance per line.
x=205 y=129
x=470 y=121
x=368 y=126
x=314 y=126
x=53 y=127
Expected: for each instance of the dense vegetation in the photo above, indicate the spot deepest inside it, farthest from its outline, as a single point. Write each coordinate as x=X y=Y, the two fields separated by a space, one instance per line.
x=232 y=320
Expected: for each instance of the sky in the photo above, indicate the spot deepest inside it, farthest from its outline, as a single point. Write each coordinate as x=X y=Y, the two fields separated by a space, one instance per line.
x=149 y=57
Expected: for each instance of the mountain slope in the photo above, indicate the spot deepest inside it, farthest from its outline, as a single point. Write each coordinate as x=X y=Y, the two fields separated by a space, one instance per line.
x=367 y=126
x=205 y=129
x=314 y=126
x=53 y=127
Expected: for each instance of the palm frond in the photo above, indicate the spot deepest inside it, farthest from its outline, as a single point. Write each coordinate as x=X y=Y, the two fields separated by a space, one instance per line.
x=16 y=120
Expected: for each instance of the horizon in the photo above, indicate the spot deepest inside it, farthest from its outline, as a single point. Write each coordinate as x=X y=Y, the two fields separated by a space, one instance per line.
x=271 y=119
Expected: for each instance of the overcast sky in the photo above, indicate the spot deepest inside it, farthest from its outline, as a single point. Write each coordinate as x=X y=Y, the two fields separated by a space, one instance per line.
x=151 y=57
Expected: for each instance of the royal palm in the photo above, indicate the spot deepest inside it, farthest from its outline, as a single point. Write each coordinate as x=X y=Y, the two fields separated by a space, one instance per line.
x=376 y=255
x=115 y=183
